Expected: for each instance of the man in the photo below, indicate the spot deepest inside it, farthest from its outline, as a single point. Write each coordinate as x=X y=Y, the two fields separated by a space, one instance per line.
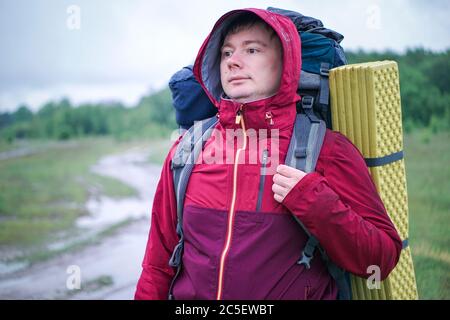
x=240 y=241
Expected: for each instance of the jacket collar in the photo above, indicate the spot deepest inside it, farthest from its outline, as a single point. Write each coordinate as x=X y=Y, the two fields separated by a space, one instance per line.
x=259 y=114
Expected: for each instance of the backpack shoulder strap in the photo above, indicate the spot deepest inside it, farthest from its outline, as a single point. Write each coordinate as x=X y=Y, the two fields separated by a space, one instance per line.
x=303 y=153
x=183 y=161
x=186 y=155
x=306 y=142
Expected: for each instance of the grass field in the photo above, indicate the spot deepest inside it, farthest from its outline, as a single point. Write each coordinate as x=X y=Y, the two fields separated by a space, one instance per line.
x=45 y=191
x=427 y=160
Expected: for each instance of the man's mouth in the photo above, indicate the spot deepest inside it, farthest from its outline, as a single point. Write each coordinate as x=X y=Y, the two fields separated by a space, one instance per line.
x=237 y=78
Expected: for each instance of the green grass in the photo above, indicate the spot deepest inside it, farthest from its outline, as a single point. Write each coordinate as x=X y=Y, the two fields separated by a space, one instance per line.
x=159 y=152
x=45 y=192
x=427 y=160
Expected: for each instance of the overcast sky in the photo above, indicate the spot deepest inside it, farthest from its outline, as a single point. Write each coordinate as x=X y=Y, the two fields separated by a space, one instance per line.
x=122 y=50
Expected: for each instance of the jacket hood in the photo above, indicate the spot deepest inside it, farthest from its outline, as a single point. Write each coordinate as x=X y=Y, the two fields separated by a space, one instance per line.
x=207 y=67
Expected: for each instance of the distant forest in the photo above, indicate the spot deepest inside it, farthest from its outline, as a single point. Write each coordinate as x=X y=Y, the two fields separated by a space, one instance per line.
x=424 y=85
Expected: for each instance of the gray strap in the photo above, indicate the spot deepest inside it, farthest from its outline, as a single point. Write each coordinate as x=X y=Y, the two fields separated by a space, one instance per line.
x=309 y=81
x=182 y=163
x=306 y=143
x=341 y=276
x=405 y=244
x=297 y=152
x=188 y=151
x=381 y=161
x=342 y=280
x=324 y=87
x=308 y=251
x=307 y=106
x=186 y=155
x=303 y=153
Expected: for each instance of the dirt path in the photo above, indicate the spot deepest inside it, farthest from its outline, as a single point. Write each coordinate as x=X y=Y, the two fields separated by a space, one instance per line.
x=111 y=268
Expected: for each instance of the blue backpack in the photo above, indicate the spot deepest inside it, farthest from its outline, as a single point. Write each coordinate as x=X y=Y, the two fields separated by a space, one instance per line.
x=320 y=52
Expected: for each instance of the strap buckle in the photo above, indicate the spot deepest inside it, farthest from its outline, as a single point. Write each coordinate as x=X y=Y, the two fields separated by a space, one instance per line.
x=324 y=71
x=308 y=252
x=175 y=260
x=301 y=152
x=307 y=102
x=305 y=260
x=177 y=162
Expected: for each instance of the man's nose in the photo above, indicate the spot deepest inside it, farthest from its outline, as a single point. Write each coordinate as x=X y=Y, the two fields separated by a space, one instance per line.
x=235 y=61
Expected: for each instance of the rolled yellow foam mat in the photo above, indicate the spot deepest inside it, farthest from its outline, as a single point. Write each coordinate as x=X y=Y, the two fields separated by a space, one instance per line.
x=366 y=107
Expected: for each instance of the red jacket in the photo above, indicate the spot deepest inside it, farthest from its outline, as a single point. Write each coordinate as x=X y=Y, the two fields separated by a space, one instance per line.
x=233 y=251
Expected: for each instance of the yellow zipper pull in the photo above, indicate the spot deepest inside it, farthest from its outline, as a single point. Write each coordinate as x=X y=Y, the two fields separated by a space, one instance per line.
x=269 y=117
x=239 y=115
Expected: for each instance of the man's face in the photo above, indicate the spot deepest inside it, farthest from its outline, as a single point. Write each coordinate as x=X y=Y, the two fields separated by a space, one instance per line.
x=251 y=64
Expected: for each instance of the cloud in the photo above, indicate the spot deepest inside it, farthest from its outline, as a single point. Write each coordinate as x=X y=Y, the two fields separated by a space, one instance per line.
x=127 y=93
x=145 y=42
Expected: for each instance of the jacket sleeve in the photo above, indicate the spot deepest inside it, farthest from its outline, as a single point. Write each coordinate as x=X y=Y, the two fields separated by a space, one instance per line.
x=157 y=275
x=342 y=209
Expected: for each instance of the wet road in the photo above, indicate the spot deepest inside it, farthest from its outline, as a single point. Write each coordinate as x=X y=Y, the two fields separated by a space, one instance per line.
x=111 y=268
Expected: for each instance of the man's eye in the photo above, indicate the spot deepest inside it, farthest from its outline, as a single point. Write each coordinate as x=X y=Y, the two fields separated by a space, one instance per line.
x=252 y=50
x=226 y=53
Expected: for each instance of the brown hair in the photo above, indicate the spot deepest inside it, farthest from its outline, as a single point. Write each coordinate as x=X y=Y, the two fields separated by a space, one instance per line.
x=243 y=21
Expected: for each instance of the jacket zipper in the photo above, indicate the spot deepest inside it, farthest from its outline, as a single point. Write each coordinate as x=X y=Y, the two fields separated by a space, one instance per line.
x=268 y=118
x=262 y=179
x=239 y=120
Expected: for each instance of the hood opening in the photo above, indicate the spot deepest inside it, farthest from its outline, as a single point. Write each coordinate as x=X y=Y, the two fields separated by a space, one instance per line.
x=211 y=59
x=207 y=65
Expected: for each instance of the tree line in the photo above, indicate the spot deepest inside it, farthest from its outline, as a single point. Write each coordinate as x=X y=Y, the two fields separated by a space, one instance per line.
x=153 y=116
x=424 y=87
